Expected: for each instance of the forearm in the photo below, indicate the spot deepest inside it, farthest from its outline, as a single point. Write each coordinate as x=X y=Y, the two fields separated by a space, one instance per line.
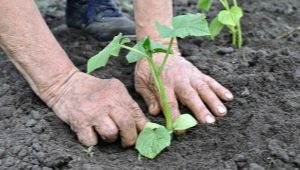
x=147 y=12
x=28 y=42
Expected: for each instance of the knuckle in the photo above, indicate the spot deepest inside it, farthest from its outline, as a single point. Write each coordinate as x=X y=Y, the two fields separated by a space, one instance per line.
x=112 y=135
x=141 y=89
x=201 y=87
x=115 y=83
x=202 y=109
x=124 y=121
x=187 y=93
x=173 y=104
x=134 y=107
x=77 y=124
x=131 y=141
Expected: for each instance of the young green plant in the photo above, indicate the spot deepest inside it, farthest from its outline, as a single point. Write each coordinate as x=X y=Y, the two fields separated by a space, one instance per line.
x=154 y=137
x=89 y=151
x=229 y=17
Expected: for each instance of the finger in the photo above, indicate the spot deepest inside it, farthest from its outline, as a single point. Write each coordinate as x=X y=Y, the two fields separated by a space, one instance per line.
x=86 y=136
x=106 y=128
x=126 y=125
x=209 y=97
x=188 y=96
x=150 y=99
x=172 y=102
x=221 y=91
x=137 y=115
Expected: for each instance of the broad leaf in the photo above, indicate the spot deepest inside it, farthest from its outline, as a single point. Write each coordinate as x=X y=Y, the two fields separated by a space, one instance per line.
x=133 y=56
x=112 y=49
x=231 y=17
x=164 y=31
x=184 y=122
x=155 y=47
x=225 y=18
x=215 y=27
x=152 y=140
x=204 y=4
x=236 y=13
x=185 y=25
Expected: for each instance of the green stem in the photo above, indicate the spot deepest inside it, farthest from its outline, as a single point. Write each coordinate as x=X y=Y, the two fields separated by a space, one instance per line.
x=134 y=50
x=225 y=4
x=240 y=36
x=162 y=92
x=158 y=83
x=233 y=38
x=166 y=56
x=235 y=3
x=166 y=106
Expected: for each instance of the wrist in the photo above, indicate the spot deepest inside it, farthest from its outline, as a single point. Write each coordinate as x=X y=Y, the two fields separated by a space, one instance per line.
x=51 y=92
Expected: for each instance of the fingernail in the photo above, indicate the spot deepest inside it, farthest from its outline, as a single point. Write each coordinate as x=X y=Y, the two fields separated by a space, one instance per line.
x=210 y=119
x=229 y=95
x=222 y=110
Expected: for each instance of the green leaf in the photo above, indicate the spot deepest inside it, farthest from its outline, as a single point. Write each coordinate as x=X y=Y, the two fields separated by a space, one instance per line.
x=112 y=49
x=147 y=44
x=152 y=140
x=231 y=17
x=215 y=27
x=236 y=13
x=153 y=125
x=204 y=4
x=185 y=25
x=225 y=18
x=184 y=122
x=134 y=57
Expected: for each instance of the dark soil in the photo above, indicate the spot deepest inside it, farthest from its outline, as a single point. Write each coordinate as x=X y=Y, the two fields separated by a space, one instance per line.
x=261 y=131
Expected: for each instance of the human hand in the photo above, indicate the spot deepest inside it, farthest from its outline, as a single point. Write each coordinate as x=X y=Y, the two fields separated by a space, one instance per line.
x=184 y=81
x=91 y=105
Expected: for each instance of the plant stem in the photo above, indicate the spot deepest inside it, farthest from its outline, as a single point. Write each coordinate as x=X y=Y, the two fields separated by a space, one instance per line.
x=233 y=37
x=166 y=56
x=225 y=4
x=166 y=106
x=240 y=36
x=156 y=72
x=162 y=92
x=134 y=50
x=235 y=3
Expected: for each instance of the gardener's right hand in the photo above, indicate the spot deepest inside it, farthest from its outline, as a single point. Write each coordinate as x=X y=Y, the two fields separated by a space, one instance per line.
x=91 y=105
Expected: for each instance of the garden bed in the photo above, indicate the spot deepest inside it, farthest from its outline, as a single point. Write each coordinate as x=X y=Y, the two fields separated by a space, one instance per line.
x=261 y=130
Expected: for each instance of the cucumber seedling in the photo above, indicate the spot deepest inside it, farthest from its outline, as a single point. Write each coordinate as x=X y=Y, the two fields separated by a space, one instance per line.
x=154 y=137
x=89 y=151
x=229 y=17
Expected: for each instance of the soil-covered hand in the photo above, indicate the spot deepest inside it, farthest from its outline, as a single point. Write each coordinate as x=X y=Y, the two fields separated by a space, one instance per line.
x=184 y=81
x=91 y=105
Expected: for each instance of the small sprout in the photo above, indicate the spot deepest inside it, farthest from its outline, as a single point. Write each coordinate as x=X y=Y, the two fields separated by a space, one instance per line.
x=229 y=17
x=154 y=137
x=89 y=151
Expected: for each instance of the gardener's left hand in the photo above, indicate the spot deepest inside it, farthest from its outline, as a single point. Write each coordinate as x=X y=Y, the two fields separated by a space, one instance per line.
x=184 y=81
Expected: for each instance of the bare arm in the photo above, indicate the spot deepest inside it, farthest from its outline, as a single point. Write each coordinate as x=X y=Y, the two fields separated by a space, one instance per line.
x=88 y=104
x=26 y=39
